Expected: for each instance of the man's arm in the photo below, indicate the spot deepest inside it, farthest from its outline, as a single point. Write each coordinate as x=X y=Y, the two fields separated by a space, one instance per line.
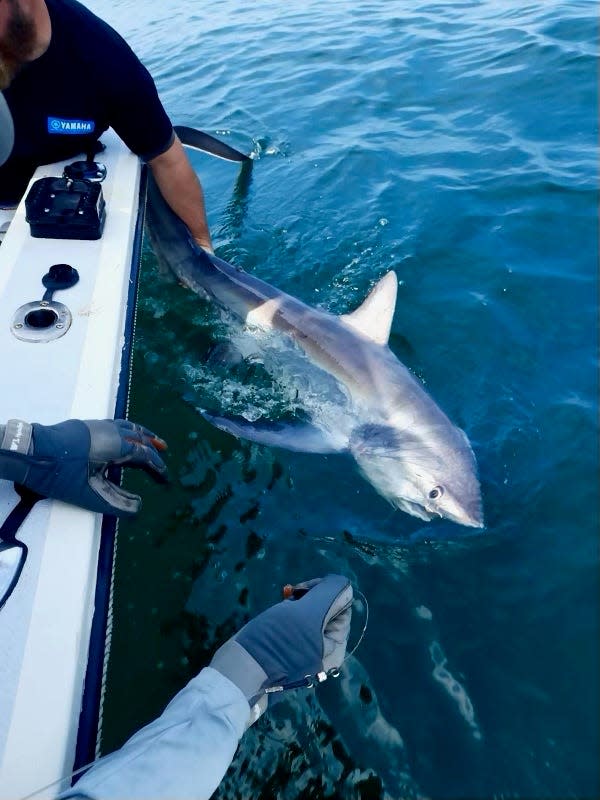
x=180 y=187
x=183 y=754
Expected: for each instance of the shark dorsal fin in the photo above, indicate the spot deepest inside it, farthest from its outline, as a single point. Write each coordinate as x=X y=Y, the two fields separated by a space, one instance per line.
x=374 y=317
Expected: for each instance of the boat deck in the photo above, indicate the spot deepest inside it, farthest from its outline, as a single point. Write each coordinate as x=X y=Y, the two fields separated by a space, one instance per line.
x=45 y=625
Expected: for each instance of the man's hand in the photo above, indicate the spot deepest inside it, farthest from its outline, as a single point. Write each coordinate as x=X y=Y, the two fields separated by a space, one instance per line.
x=289 y=641
x=69 y=461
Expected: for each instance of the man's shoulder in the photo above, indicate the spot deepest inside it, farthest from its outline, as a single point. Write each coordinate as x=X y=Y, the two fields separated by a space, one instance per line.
x=78 y=25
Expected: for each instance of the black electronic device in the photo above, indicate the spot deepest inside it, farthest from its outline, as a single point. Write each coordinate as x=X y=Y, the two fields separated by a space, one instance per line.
x=65 y=208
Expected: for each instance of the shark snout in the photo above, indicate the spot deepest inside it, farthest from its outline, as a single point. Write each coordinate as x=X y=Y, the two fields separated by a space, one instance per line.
x=472 y=520
x=469 y=514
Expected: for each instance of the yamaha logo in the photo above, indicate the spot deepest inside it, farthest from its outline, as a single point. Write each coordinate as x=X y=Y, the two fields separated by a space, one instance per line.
x=70 y=126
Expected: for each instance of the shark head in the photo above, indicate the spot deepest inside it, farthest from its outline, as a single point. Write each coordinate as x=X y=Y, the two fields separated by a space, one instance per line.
x=428 y=473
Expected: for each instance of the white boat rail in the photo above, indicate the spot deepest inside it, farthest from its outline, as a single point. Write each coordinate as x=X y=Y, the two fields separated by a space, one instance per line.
x=47 y=623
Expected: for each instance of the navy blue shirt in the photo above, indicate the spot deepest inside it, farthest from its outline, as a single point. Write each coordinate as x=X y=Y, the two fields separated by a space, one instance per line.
x=87 y=80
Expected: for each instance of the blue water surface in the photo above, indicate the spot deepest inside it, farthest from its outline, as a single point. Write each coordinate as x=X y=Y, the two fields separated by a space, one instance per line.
x=455 y=142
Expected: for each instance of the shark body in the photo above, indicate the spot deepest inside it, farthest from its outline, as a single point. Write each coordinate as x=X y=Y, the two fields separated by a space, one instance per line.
x=402 y=442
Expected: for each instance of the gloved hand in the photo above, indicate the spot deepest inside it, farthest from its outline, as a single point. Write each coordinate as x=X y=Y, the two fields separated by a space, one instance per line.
x=68 y=461
x=289 y=641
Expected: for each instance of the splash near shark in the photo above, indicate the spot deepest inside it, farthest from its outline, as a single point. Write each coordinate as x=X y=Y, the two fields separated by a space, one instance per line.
x=401 y=441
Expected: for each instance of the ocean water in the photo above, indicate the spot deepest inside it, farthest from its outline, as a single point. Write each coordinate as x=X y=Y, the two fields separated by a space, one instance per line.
x=455 y=142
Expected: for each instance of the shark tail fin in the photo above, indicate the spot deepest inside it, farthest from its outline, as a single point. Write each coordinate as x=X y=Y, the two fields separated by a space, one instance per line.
x=199 y=140
x=373 y=318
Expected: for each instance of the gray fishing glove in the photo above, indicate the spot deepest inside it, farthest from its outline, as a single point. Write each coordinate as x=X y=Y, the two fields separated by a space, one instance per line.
x=69 y=461
x=297 y=641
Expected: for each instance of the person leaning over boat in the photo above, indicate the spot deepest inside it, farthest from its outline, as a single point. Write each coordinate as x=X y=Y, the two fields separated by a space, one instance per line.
x=184 y=754
x=67 y=76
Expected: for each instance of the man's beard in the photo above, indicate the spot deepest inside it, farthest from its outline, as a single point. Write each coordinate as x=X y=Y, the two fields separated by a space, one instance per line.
x=18 y=44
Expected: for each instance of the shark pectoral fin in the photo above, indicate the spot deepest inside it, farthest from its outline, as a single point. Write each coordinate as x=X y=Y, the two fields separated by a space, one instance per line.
x=374 y=317
x=303 y=438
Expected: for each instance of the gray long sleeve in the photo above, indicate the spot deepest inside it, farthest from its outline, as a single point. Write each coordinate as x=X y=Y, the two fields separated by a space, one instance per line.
x=183 y=754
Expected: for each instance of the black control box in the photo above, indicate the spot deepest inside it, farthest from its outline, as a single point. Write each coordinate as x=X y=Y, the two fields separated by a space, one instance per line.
x=65 y=208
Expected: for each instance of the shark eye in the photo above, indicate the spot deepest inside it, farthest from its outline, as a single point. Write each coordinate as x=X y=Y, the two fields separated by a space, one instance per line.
x=436 y=492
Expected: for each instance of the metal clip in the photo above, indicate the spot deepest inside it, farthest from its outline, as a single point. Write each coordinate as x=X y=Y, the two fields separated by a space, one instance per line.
x=308 y=682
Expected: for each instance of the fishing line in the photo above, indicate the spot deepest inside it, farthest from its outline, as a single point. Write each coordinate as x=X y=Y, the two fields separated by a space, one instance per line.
x=364 y=628
x=60 y=780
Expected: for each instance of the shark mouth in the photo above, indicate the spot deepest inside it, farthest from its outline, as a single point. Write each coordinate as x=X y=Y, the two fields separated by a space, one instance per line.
x=415 y=509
